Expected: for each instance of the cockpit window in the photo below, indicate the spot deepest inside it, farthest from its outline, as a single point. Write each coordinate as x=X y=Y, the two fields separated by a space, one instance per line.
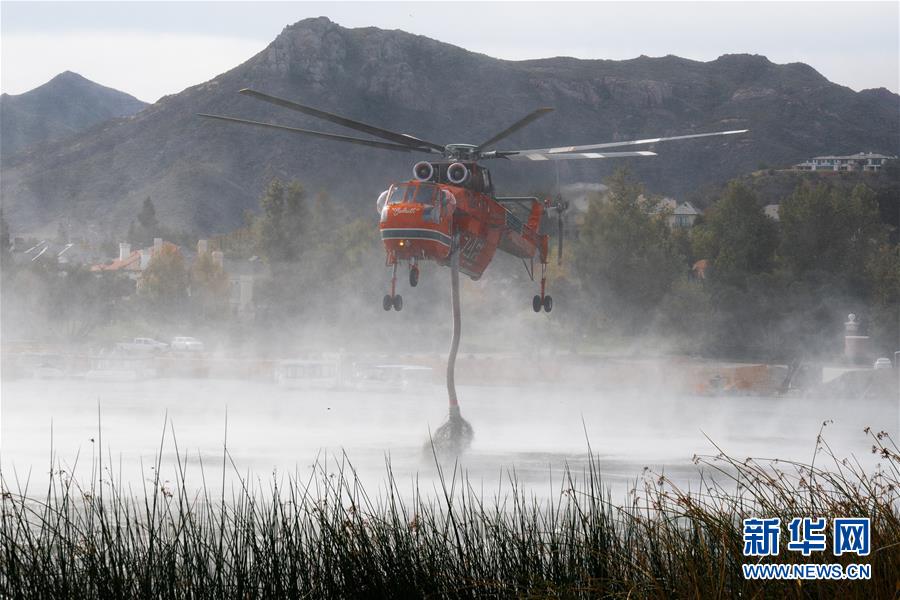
x=412 y=194
x=397 y=193
x=424 y=194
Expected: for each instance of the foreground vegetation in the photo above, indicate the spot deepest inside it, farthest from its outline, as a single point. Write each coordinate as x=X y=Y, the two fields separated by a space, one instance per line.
x=326 y=538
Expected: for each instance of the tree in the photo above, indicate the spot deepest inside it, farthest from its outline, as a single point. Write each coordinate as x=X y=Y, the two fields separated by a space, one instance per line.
x=883 y=271
x=147 y=226
x=164 y=281
x=147 y=217
x=825 y=230
x=624 y=254
x=281 y=228
x=736 y=236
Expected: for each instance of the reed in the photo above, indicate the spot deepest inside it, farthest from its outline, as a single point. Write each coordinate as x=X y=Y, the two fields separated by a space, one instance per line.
x=325 y=537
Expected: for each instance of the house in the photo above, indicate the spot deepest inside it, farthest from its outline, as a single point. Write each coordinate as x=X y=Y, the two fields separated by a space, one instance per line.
x=861 y=161
x=773 y=211
x=683 y=216
x=242 y=274
x=680 y=214
x=73 y=253
x=133 y=262
x=580 y=195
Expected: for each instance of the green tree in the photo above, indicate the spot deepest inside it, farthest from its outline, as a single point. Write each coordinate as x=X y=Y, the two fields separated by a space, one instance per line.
x=883 y=271
x=823 y=229
x=147 y=226
x=282 y=226
x=165 y=280
x=624 y=254
x=147 y=217
x=736 y=236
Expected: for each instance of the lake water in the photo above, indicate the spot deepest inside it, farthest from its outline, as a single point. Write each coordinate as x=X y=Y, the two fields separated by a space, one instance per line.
x=533 y=431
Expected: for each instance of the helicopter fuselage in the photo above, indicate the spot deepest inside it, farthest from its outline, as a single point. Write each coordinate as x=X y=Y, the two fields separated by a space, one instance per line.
x=422 y=219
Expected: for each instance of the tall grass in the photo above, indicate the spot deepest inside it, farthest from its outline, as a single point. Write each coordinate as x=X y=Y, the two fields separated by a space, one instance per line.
x=325 y=537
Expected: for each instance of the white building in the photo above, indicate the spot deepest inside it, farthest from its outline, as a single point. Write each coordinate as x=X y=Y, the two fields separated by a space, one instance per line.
x=861 y=161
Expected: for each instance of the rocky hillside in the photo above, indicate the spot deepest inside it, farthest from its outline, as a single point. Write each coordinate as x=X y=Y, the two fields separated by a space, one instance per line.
x=65 y=105
x=202 y=175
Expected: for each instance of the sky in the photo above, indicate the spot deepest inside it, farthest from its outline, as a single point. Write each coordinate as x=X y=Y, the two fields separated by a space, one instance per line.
x=151 y=49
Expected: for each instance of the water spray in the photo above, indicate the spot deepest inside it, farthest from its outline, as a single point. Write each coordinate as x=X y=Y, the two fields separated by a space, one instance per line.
x=455 y=435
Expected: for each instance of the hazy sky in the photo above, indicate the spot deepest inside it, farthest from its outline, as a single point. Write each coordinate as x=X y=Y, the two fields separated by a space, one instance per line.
x=150 y=49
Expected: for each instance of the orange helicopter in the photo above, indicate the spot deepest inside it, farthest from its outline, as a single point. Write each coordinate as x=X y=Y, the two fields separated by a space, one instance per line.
x=451 y=204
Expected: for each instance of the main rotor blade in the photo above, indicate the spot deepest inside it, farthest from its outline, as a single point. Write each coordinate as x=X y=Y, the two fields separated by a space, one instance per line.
x=399 y=138
x=535 y=155
x=319 y=134
x=617 y=144
x=515 y=127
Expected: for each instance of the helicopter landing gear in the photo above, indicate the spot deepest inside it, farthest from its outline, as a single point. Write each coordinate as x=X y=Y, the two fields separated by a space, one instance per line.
x=546 y=303
x=392 y=300
x=413 y=274
x=542 y=300
x=389 y=302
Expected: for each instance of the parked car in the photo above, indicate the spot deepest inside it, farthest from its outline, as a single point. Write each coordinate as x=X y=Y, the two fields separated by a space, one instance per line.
x=882 y=363
x=187 y=343
x=143 y=344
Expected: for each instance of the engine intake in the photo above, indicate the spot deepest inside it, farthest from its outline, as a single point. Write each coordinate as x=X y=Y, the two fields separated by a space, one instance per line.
x=457 y=173
x=423 y=171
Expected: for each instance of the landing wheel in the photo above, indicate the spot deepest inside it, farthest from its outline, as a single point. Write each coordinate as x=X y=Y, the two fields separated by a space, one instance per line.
x=398 y=302
x=536 y=303
x=386 y=302
x=548 y=304
x=414 y=276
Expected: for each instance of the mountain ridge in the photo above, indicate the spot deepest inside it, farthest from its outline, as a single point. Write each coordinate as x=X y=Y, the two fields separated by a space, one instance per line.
x=63 y=106
x=203 y=175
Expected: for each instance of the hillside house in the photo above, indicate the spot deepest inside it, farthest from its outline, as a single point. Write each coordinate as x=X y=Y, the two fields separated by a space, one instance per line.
x=683 y=216
x=680 y=214
x=868 y=162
